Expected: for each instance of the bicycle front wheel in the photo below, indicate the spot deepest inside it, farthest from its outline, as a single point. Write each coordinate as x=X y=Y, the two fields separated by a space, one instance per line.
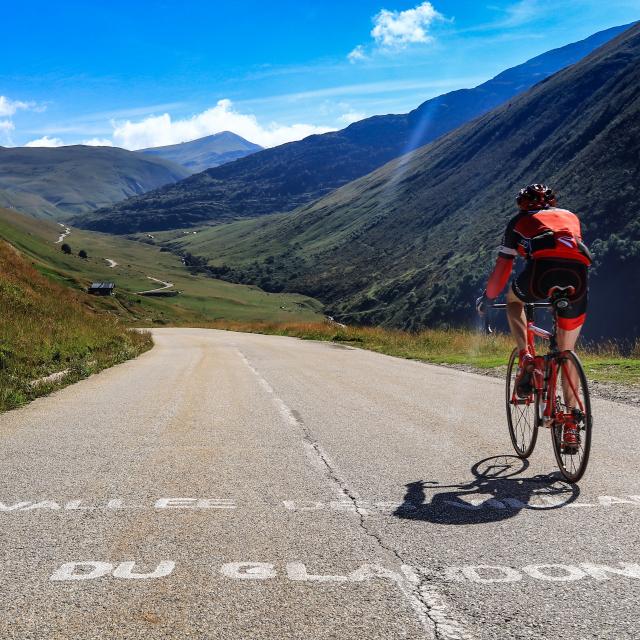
x=572 y=399
x=522 y=413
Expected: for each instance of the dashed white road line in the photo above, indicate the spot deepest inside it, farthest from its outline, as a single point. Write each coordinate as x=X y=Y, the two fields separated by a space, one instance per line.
x=316 y=456
x=427 y=603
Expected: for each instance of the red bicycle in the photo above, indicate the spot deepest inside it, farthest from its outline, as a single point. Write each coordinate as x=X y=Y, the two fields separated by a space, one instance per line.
x=559 y=395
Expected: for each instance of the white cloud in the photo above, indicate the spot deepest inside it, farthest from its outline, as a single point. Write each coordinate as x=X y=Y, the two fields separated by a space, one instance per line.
x=156 y=131
x=515 y=15
x=45 y=141
x=98 y=142
x=397 y=29
x=9 y=107
x=352 y=116
x=366 y=88
x=357 y=55
x=6 y=127
x=520 y=13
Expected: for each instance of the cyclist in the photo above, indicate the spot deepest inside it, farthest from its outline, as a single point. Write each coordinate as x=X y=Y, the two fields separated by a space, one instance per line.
x=550 y=241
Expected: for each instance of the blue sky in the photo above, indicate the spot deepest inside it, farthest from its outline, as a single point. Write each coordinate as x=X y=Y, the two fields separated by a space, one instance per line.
x=145 y=73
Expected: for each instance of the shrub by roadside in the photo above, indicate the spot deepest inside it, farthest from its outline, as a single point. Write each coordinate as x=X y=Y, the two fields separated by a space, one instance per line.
x=45 y=328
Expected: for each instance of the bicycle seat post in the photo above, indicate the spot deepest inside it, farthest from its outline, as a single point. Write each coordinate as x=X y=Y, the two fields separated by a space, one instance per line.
x=560 y=299
x=530 y=312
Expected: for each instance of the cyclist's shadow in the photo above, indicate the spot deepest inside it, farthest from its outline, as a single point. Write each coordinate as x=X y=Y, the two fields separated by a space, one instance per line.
x=496 y=492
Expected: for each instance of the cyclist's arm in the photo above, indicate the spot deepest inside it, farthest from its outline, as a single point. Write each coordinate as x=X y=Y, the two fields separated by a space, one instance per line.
x=504 y=264
x=500 y=276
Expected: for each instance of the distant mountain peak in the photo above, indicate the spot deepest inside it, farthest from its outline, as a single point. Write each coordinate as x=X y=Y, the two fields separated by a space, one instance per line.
x=205 y=153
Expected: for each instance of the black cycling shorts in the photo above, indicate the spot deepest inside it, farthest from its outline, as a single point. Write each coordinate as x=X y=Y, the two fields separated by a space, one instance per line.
x=534 y=282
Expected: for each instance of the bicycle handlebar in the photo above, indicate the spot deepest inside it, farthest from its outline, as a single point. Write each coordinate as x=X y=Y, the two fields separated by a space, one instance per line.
x=535 y=305
x=486 y=324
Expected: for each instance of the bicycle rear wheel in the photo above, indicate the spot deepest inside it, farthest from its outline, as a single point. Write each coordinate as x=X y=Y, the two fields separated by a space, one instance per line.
x=522 y=413
x=572 y=462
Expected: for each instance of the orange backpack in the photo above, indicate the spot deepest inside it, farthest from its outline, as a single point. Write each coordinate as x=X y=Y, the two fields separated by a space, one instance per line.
x=558 y=236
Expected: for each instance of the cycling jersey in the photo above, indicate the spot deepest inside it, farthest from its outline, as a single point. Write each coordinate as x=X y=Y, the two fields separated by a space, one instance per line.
x=546 y=233
x=550 y=240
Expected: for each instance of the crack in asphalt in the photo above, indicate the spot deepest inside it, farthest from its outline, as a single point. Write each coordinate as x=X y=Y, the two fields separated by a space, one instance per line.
x=416 y=586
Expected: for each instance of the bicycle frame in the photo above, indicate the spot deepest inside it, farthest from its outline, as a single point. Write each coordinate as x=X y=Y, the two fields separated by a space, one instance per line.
x=556 y=395
x=545 y=373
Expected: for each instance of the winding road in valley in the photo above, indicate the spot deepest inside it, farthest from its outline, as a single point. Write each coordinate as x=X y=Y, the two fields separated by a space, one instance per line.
x=64 y=234
x=226 y=485
x=165 y=285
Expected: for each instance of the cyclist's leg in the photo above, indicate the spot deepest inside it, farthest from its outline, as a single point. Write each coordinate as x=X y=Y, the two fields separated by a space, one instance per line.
x=518 y=324
x=570 y=322
x=517 y=319
x=567 y=339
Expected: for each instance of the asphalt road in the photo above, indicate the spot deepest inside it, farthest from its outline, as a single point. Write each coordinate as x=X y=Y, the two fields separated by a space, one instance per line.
x=226 y=485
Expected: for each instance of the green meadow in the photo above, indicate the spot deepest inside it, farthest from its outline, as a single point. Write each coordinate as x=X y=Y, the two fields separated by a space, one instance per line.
x=200 y=298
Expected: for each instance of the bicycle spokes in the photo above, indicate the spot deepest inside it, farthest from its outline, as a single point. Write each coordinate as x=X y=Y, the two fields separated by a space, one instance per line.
x=570 y=378
x=572 y=420
x=522 y=413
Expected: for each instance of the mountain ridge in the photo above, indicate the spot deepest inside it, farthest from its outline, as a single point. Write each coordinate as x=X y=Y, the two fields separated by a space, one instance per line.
x=291 y=175
x=62 y=181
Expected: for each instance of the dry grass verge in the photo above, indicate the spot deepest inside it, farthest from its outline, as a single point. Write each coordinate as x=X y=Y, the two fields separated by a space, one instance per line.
x=45 y=328
x=605 y=362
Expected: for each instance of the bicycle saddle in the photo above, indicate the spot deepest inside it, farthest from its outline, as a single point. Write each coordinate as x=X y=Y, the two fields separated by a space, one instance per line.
x=560 y=296
x=561 y=291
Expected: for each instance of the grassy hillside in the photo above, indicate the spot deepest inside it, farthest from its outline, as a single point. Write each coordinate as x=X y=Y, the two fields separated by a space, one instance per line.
x=290 y=175
x=59 y=182
x=45 y=328
x=411 y=244
x=204 y=153
x=23 y=201
x=201 y=298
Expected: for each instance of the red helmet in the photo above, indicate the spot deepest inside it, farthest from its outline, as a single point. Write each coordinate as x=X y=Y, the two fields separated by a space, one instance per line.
x=536 y=196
